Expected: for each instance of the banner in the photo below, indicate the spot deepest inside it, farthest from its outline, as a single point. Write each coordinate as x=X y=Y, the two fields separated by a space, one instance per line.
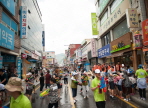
x=43 y=38
x=10 y=5
x=145 y=32
x=93 y=48
x=23 y=22
x=94 y=24
x=19 y=63
x=1 y=62
x=132 y=18
x=6 y=37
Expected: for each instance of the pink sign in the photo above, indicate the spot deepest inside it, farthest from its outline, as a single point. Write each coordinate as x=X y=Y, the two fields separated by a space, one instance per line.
x=93 y=48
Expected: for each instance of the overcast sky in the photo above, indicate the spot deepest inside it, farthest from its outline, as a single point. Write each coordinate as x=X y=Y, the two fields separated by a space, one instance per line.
x=66 y=22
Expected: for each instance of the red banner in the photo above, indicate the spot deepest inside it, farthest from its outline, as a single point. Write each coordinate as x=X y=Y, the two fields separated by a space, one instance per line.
x=145 y=32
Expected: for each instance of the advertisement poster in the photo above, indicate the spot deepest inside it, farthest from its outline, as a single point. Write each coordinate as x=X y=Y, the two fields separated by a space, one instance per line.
x=145 y=32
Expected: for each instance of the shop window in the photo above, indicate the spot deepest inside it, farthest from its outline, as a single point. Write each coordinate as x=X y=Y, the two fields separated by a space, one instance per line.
x=115 y=4
x=104 y=18
x=120 y=30
x=106 y=39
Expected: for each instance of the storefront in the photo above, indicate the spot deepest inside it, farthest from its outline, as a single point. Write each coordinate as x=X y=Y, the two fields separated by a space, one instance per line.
x=121 y=50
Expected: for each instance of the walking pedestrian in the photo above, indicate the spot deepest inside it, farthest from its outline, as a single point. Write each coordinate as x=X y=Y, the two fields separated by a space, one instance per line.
x=99 y=97
x=41 y=82
x=48 y=76
x=15 y=89
x=141 y=81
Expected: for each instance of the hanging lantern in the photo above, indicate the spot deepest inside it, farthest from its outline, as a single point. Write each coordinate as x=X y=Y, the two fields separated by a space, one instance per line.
x=138 y=40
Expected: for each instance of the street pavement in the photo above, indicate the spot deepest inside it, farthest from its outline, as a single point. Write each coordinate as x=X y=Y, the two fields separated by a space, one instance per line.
x=66 y=101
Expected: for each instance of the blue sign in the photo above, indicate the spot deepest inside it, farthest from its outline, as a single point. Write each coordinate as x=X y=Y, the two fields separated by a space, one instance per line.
x=104 y=51
x=10 y=5
x=6 y=37
x=1 y=62
x=43 y=38
x=9 y=58
x=19 y=62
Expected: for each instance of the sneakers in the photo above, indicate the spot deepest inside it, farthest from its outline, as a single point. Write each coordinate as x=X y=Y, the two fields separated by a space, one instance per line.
x=74 y=101
x=113 y=97
x=84 y=97
x=142 y=98
x=126 y=99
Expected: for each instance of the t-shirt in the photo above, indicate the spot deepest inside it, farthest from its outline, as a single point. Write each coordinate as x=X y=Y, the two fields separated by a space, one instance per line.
x=110 y=78
x=21 y=102
x=42 y=80
x=98 y=97
x=47 y=78
x=73 y=84
x=2 y=77
x=140 y=73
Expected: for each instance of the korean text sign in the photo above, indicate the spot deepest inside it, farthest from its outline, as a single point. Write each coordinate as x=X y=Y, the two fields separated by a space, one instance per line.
x=10 y=5
x=23 y=22
x=145 y=32
x=94 y=24
x=132 y=18
x=19 y=61
x=1 y=62
x=6 y=37
x=104 y=51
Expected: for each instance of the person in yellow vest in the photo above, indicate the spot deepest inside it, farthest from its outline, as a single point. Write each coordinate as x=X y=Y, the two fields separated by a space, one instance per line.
x=84 y=80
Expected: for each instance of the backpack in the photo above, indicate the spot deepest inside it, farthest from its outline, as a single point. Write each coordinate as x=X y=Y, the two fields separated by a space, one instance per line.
x=127 y=82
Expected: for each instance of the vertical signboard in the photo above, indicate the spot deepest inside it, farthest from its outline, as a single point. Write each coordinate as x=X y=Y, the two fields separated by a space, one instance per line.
x=43 y=38
x=6 y=37
x=19 y=62
x=94 y=24
x=93 y=48
x=10 y=5
x=145 y=32
x=1 y=62
x=23 y=22
x=132 y=18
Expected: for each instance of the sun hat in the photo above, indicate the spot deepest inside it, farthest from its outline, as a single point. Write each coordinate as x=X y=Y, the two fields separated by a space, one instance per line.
x=14 y=84
x=122 y=65
x=97 y=71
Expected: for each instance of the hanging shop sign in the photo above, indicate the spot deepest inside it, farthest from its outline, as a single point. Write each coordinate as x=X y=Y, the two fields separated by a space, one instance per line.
x=145 y=32
x=19 y=62
x=23 y=22
x=138 y=41
x=10 y=5
x=93 y=48
x=121 y=43
x=6 y=37
x=94 y=24
x=104 y=51
x=1 y=62
x=132 y=18
x=24 y=56
x=37 y=53
x=34 y=56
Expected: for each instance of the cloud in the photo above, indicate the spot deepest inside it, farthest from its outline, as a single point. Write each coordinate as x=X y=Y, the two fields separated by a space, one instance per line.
x=66 y=22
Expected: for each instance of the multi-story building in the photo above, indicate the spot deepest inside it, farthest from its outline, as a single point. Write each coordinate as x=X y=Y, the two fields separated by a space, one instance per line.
x=9 y=34
x=31 y=34
x=50 y=56
x=118 y=21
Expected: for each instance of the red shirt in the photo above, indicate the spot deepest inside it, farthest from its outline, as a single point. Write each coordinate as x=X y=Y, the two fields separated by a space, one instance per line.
x=47 y=78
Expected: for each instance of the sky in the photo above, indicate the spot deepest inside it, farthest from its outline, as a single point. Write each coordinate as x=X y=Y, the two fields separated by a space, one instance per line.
x=66 y=22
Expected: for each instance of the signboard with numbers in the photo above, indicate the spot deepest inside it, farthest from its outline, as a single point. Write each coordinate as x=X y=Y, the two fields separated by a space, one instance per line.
x=10 y=5
x=1 y=62
x=19 y=62
x=23 y=22
x=6 y=37
x=104 y=51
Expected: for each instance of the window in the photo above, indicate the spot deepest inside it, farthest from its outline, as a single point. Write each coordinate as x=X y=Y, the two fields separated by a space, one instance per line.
x=104 y=18
x=106 y=39
x=115 y=4
x=120 y=29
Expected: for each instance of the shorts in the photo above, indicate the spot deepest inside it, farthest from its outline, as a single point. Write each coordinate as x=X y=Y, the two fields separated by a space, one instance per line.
x=74 y=92
x=127 y=90
x=133 y=85
x=29 y=91
x=33 y=86
x=112 y=85
x=50 y=105
x=59 y=85
x=119 y=87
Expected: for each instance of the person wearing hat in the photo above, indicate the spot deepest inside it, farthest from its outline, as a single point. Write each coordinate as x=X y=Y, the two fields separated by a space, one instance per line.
x=141 y=81
x=99 y=97
x=74 y=83
x=29 y=85
x=14 y=88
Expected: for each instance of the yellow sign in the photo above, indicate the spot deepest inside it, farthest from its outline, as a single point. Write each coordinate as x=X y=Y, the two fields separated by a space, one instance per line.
x=94 y=24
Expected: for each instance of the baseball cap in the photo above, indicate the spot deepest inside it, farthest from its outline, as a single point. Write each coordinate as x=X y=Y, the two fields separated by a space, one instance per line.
x=97 y=71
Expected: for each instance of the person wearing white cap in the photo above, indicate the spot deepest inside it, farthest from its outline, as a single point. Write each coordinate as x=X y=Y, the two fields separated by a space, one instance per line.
x=99 y=97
